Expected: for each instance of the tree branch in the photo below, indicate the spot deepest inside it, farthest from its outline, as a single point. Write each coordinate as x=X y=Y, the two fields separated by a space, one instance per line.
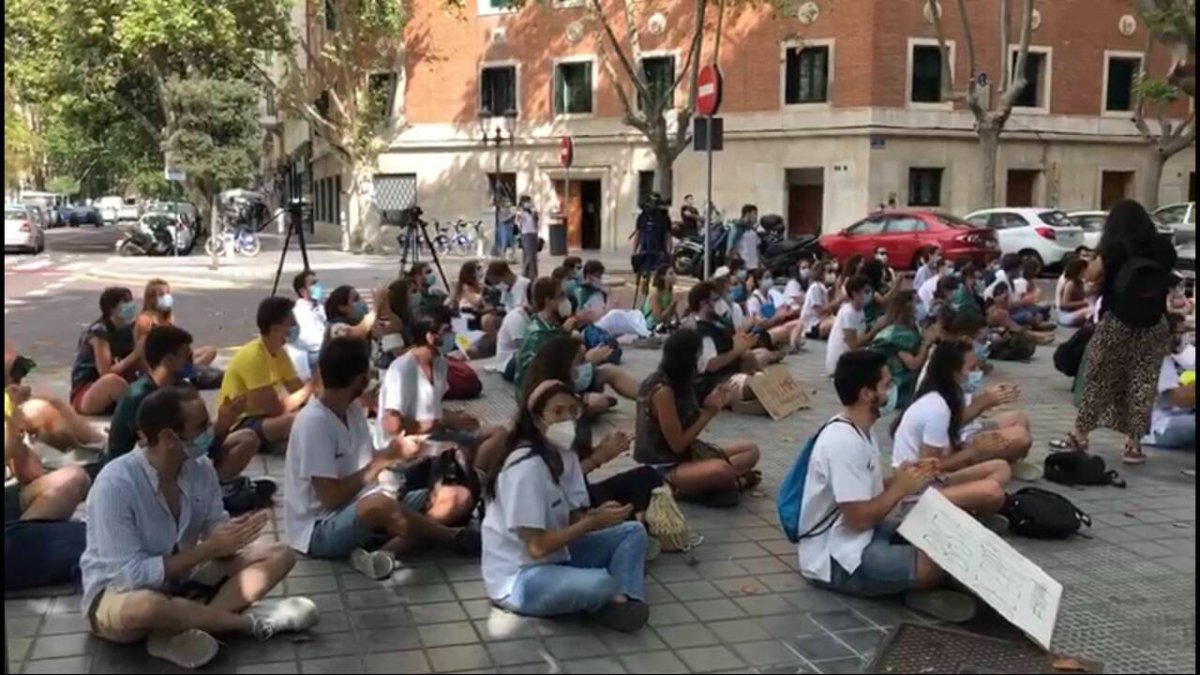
x=615 y=44
x=1018 y=81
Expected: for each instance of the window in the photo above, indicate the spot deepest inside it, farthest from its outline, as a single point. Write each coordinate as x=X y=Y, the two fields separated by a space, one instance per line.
x=905 y=225
x=1036 y=90
x=1006 y=221
x=381 y=90
x=867 y=227
x=322 y=104
x=926 y=74
x=498 y=91
x=807 y=75
x=269 y=101
x=1122 y=76
x=659 y=72
x=337 y=200
x=507 y=187
x=924 y=187
x=487 y=7
x=330 y=14
x=573 y=88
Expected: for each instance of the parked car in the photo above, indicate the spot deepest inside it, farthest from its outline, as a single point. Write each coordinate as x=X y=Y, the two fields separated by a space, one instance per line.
x=22 y=230
x=109 y=206
x=129 y=211
x=39 y=216
x=1092 y=224
x=186 y=210
x=1180 y=218
x=48 y=203
x=1047 y=235
x=80 y=214
x=904 y=232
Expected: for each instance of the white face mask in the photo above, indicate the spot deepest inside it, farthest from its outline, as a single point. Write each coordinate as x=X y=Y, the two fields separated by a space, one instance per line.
x=805 y=273
x=564 y=309
x=830 y=278
x=768 y=283
x=561 y=434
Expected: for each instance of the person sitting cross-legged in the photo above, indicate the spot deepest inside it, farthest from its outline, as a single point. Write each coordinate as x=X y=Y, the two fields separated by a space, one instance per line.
x=547 y=551
x=260 y=368
x=44 y=418
x=592 y=297
x=847 y=544
x=334 y=505
x=309 y=312
x=107 y=357
x=410 y=397
x=727 y=358
x=164 y=562
x=168 y=350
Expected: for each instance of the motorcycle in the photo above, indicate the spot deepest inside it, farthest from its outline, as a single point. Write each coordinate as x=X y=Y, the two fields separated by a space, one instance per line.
x=776 y=253
x=157 y=234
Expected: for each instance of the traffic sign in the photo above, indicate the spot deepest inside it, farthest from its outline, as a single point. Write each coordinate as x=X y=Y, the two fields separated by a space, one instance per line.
x=708 y=90
x=567 y=152
x=174 y=174
x=982 y=79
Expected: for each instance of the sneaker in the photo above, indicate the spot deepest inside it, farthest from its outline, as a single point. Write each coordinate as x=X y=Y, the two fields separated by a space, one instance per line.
x=1026 y=471
x=467 y=543
x=626 y=617
x=373 y=565
x=994 y=522
x=190 y=649
x=949 y=606
x=272 y=617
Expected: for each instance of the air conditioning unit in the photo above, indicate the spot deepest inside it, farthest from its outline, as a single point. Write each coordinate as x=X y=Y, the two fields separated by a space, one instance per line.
x=499 y=36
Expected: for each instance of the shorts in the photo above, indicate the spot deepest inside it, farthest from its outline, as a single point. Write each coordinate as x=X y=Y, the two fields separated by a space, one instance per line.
x=13 y=504
x=814 y=333
x=77 y=399
x=105 y=614
x=215 y=449
x=253 y=423
x=337 y=536
x=888 y=567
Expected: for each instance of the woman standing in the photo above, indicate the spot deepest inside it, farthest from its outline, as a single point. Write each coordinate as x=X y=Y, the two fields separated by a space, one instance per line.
x=902 y=343
x=1125 y=354
x=158 y=309
x=546 y=550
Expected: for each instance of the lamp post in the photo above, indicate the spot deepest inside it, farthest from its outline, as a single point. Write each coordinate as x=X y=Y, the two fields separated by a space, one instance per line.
x=496 y=140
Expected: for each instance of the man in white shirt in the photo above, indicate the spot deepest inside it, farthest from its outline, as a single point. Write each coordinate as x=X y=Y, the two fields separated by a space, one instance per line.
x=514 y=290
x=846 y=545
x=745 y=237
x=335 y=502
x=1009 y=268
x=850 y=327
x=929 y=259
x=527 y=220
x=928 y=288
x=311 y=322
x=592 y=298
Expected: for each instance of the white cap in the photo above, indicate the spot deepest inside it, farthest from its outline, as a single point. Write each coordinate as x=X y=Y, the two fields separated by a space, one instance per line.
x=721 y=272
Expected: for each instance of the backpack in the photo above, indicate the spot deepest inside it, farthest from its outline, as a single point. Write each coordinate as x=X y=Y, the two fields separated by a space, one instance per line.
x=1139 y=292
x=595 y=336
x=462 y=382
x=1069 y=355
x=1076 y=468
x=791 y=494
x=1013 y=347
x=1041 y=514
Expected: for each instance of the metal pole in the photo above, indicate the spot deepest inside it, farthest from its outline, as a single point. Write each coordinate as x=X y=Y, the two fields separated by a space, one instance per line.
x=566 y=209
x=708 y=207
x=496 y=198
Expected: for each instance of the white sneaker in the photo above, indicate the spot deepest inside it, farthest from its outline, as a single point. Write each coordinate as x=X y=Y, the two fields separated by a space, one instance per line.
x=374 y=565
x=275 y=616
x=190 y=649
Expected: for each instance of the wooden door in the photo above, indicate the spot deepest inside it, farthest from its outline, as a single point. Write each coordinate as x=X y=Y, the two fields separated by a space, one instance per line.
x=574 y=212
x=1021 y=184
x=805 y=208
x=1114 y=186
x=591 y=200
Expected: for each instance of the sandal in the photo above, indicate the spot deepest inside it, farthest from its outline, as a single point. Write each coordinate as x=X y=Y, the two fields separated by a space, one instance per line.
x=1133 y=455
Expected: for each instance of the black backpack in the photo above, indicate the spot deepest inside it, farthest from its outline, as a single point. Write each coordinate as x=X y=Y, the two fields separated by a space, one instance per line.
x=1069 y=355
x=1077 y=468
x=1140 y=292
x=1041 y=514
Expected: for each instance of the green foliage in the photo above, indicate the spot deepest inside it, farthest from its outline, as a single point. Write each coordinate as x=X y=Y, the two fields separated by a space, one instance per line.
x=63 y=185
x=215 y=135
x=1156 y=91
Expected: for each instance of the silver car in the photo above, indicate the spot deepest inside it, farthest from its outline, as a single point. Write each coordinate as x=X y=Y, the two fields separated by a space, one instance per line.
x=1181 y=218
x=22 y=231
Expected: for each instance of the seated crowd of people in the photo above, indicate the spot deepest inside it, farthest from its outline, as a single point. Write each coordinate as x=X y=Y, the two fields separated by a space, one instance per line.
x=376 y=466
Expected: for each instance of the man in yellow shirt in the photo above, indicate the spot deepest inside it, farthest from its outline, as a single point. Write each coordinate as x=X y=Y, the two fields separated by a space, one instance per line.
x=262 y=372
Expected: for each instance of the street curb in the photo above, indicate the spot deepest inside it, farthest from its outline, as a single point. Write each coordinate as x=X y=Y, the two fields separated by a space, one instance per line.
x=174 y=279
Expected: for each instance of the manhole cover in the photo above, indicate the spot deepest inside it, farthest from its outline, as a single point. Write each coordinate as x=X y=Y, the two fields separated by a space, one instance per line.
x=912 y=648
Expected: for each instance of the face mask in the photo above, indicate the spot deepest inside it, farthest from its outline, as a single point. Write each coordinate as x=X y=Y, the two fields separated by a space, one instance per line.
x=581 y=376
x=561 y=434
x=127 y=312
x=198 y=446
x=293 y=333
x=881 y=257
x=721 y=308
x=831 y=278
x=165 y=303
x=974 y=381
x=578 y=274
x=390 y=342
x=431 y=278
x=446 y=344
x=742 y=274
x=982 y=351
x=889 y=405
x=805 y=273
x=737 y=293
x=570 y=286
x=317 y=292
x=503 y=286
x=768 y=283
x=564 y=308
x=359 y=310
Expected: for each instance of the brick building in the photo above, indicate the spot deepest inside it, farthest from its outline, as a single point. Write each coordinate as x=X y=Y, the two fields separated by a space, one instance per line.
x=827 y=113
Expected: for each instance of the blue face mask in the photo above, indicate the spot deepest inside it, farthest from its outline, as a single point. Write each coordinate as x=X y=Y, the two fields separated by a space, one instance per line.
x=582 y=375
x=359 y=310
x=198 y=446
x=128 y=312
x=974 y=382
x=982 y=350
x=768 y=310
x=570 y=286
x=317 y=291
x=431 y=278
x=743 y=274
x=737 y=293
x=889 y=406
x=293 y=333
x=446 y=344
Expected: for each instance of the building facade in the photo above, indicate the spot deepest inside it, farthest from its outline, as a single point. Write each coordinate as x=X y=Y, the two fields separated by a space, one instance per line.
x=828 y=112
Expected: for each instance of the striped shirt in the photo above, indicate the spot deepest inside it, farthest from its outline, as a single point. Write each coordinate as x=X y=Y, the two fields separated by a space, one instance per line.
x=130 y=529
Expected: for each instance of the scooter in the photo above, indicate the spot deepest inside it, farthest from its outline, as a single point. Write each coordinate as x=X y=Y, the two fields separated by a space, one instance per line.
x=160 y=237
x=780 y=255
x=688 y=257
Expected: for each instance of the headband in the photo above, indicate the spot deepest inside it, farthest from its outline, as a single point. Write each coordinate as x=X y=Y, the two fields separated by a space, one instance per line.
x=540 y=391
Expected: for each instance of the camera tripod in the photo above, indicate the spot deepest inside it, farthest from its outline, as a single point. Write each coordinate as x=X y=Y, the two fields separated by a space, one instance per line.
x=295 y=226
x=412 y=238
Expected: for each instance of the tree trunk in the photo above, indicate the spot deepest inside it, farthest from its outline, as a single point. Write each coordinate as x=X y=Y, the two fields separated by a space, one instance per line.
x=361 y=226
x=1156 y=161
x=989 y=149
x=662 y=168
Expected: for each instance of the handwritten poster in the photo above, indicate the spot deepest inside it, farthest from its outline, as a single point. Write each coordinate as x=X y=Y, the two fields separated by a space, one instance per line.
x=979 y=559
x=779 y=392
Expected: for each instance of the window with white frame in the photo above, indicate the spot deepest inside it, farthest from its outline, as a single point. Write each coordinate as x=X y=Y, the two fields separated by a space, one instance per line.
x=1121 y=78
x=659 y=72
x=573 y=88
x=488 y=7
x=1036 y=93
x=925 y=80
x=806 y=75
x=498 y=90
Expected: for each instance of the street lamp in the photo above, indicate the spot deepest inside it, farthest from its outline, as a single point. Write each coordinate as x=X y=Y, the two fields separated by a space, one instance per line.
x=497 y=140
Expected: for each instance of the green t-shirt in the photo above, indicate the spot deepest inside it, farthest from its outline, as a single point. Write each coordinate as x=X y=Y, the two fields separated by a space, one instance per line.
x=536 y=335
x=122 y=430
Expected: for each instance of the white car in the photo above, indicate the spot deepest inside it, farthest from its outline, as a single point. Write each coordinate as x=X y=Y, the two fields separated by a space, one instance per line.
x=1045 y=234
x=22 y=230
x=109 y=207
x=129 y=211
x=1181 y=218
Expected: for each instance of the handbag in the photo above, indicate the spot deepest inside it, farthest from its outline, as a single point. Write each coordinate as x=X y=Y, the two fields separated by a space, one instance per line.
x=665 y=522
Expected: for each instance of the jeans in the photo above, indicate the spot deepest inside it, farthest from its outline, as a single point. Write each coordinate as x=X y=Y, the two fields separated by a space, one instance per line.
x=1179 y=434
x=888 y=567
x=503 y=239
x=603 y=564
x=529 y=246
x=42 y=552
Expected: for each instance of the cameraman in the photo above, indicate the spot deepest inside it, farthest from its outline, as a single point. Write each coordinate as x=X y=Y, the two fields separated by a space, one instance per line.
x=651 y=237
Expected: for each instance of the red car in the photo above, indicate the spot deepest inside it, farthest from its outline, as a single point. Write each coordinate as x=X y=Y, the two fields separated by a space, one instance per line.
x=904 y=232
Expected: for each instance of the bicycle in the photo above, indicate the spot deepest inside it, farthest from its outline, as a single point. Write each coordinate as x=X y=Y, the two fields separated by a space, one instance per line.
x=244 y=241
x=463 y=242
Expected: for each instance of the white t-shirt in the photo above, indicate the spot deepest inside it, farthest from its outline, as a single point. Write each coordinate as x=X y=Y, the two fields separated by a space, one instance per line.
x=512 y=334
x=814 y=302
x=844 y=468
x=922 y=275
x=748 y=248
x=848 y=318
x=1058 y=289
x=406 y=390
x=792 y=294
x=1001 y=277
x=754 y=304
x=925 y=422
x=927 y=290
x=526 y=497
x=1163 y=412
x=320 y=446
x=528 y=221
x=1020 y=286
x=515 y=296
x=310 y=319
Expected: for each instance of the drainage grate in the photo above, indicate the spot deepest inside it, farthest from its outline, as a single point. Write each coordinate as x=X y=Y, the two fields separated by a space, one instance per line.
x=913 y=648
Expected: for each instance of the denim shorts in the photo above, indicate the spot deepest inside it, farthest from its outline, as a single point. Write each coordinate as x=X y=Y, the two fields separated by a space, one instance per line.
x=888 y=567
x=337 y=536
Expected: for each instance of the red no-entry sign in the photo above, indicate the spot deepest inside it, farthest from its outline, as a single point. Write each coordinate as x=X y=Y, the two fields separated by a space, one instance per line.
x=567 y=152
x=708 y=90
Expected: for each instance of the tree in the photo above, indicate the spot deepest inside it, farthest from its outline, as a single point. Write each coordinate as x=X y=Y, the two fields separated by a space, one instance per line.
x=346 y=91
x=990 y=120
x=20 y=144
x=1170 y=138
x=1173 y=23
